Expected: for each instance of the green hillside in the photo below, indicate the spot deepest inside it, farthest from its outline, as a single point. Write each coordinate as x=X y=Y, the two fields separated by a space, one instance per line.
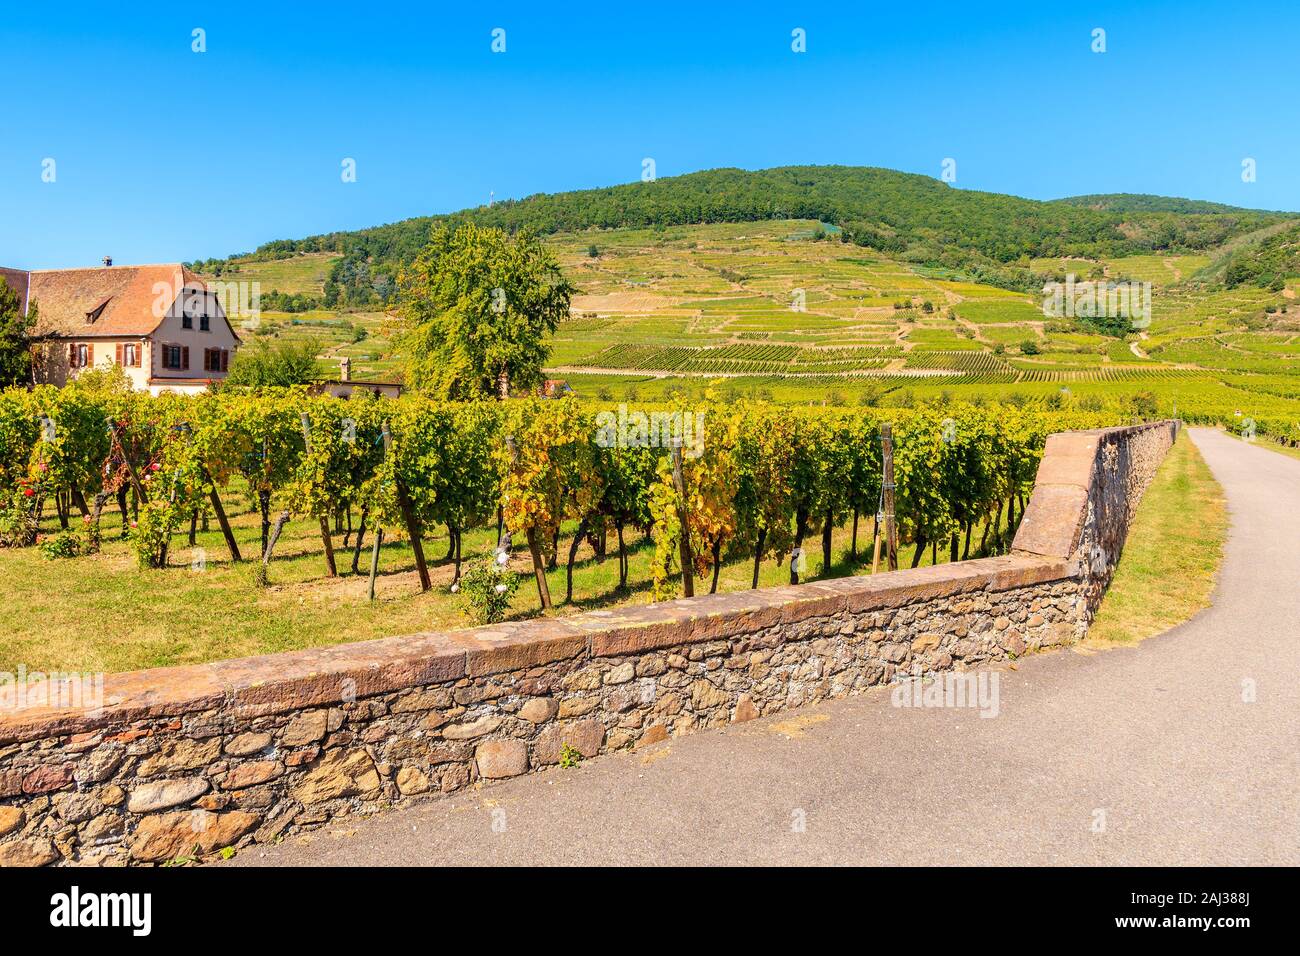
x=795 y=300
x=1142 y=202
x=987 y=236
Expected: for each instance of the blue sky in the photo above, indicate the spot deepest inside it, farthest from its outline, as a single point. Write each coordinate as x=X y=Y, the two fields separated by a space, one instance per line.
x=165 y=154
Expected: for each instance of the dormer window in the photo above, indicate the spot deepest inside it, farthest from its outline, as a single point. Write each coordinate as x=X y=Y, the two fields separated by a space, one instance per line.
x=190 y=308
x=204 y=324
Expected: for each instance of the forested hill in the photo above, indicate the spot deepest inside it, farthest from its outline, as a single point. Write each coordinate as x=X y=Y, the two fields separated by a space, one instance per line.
x=1141 y=202
x=987 y=236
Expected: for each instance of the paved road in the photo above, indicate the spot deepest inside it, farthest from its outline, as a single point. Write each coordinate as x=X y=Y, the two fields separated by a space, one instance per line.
x=1157 y=738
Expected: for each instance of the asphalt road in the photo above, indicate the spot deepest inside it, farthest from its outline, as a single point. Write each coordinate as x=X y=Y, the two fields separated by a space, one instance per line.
x=1144 y=755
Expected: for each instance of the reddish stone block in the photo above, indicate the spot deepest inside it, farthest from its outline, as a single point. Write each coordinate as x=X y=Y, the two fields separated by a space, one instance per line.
x=510 y=647
x=47 y=779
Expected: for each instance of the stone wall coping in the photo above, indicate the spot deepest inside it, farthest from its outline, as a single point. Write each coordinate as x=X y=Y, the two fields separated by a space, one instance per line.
x=321 y=676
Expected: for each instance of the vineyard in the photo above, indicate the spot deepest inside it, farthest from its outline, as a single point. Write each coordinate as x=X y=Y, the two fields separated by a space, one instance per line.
x=741 y=358
x=531 y=482
x=669 y=314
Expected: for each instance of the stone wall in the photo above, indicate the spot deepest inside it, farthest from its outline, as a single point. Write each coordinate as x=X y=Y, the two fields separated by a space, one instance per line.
x=1086 y=491
x=187 y=761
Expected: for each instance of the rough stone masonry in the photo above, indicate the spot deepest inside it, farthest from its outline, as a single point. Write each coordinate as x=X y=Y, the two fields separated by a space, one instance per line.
x=187 y=761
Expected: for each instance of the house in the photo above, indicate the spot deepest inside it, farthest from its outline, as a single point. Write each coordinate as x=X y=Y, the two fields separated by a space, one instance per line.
x=345 y=386
x=554 y=388
x=159 y=323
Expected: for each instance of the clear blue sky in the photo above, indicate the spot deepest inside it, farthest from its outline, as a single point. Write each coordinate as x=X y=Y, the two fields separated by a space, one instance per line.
x=165 y=154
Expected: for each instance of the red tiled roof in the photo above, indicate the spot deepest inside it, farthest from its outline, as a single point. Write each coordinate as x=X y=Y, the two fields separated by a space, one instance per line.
x=133 y=299
x=16 y=279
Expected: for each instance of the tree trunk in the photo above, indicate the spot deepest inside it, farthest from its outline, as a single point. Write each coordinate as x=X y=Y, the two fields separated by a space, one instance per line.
x=827 y=530
x=966 y=550
x=264 y=505
x=920 y=549
x=122 y=507
x=573 y=553
x=456 y=576
x=374 y=559
x=61 y=509
x=758 y=555
x=220 y=512
x=194 y=525
x=328 y=542
x=503 y=384
x=622 y=557
x=853 y=548
x=800 y=529
x=93 y=526
x=717 y=565
x=414 y=532
x=952 y=547
x=273 y=536
x=79 y=500
x=451 y=545
x=539 y=572
x=356 y=550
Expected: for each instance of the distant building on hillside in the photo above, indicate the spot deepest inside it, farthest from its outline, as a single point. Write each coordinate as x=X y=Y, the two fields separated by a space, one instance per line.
x=345 y=386
x=554 y=388
x=159 y=323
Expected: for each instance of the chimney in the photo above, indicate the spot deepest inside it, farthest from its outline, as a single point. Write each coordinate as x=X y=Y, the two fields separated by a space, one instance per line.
x=108 y=261
x=345 y=369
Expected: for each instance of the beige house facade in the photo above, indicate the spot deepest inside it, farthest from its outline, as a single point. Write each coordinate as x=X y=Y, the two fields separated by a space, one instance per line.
x=159 y=323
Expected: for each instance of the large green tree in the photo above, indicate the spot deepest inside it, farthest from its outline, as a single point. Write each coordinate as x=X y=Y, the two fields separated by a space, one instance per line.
x=284 y=363
x=475 y=309
x=15 y=346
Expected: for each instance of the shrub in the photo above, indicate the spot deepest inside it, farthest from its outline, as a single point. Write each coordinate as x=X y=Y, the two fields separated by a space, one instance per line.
x=65 y=544
x=486 y=589
x=152 y=533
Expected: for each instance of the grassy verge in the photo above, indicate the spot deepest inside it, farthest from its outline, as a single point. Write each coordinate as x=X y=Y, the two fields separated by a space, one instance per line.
x=102 y=613
x=1172 y=555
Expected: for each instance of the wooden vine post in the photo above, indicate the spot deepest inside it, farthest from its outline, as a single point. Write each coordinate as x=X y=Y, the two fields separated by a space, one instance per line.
x=684 y=538
x=222 y=520
x=887 y=489
x=374 y=559
x=324 y=520
x=408 y=516
x=539 y=568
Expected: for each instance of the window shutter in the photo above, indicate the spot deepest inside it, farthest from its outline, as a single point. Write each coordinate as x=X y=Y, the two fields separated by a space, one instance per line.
x=72 y=355
x=185 y=358
x=225 y=359
x=119 y=353
x=90 y=354
x=139 y=352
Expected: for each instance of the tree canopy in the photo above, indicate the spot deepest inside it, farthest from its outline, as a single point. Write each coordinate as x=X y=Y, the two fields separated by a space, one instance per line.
x=475 y=307
x=285 y=363
x=15 y=349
